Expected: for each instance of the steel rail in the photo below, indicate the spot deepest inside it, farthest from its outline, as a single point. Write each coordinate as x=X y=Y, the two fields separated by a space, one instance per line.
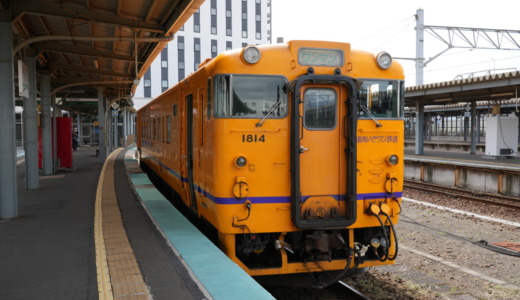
x=489 y=198
x=355 y=294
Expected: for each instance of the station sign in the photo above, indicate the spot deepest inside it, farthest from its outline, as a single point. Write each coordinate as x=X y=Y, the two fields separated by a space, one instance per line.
x=80 y=104
x=23 y=79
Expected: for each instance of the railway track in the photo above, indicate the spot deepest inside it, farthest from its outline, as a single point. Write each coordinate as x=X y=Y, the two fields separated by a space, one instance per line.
x=337 y=291
x=489 y=198
x=350 y=291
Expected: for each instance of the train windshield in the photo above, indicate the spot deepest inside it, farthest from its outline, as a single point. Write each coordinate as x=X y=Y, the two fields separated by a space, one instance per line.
x=380 y=99
x=247 y=96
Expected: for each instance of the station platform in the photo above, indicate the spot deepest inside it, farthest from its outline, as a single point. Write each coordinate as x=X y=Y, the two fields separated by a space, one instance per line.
x=103 y=231
x=457 y=156
x=476 y=172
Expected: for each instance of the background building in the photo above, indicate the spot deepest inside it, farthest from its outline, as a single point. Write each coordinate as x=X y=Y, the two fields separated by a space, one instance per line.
x=219 y=25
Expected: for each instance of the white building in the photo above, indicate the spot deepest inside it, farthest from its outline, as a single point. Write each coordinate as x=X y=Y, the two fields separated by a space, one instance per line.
x=218 y=25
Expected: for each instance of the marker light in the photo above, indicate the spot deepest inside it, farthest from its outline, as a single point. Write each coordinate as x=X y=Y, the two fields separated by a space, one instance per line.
x=375 y=242
x=393 y=159
x=384 y=60
x=251 y=54
x=240 y=161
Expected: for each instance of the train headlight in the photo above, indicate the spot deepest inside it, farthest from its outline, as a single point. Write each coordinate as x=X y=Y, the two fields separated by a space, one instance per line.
x=384 y=60
x=393 y=159
x=251 y=54
x=240 y=161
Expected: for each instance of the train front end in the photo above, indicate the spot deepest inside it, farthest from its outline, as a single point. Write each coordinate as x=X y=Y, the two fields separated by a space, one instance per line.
x=309 y=151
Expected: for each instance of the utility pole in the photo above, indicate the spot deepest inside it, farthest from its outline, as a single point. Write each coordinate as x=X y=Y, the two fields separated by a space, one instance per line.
x=419 y=47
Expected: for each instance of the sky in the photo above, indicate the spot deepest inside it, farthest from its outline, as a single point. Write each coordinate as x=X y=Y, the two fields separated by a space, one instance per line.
x=378 y=25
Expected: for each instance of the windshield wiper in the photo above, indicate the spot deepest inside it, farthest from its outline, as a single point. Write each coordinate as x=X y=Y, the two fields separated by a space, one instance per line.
x=268 y=114
x=272 y=109
x=365 y=109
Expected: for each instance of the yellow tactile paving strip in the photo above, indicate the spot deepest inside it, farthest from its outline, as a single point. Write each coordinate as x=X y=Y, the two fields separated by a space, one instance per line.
x=119 y=275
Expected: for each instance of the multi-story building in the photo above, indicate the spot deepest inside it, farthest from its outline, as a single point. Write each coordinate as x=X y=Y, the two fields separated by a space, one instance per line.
x=218 y=25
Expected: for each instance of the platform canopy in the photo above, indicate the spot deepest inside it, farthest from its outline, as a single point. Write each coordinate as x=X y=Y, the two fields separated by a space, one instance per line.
x=495 y=87
x=84 y=44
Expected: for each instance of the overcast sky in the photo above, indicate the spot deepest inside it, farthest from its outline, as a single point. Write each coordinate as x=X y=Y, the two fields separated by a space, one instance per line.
x=377 y=25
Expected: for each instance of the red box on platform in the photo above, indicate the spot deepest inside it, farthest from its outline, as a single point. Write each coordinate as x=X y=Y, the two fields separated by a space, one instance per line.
x=64 y=143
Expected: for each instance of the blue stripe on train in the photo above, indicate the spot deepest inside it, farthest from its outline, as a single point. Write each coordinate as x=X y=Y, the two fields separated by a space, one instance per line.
x=270 y=200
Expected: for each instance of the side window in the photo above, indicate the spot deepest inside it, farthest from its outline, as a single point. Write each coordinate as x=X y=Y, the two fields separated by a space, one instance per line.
x=169 y=129
x=154 y=129
x=158 y=129
x=208 y=101
x=163 y=129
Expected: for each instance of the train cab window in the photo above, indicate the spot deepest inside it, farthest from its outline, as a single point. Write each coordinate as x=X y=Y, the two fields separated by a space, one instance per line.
x=248 y=96
x=380 y=99
x=319 y=107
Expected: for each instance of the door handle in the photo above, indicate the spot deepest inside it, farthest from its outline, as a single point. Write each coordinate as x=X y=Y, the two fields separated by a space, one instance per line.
x=303 y=149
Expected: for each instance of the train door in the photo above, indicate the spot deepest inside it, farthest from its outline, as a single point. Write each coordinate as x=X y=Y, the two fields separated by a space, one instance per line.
x=199 y=142
x=190 y=130
x=323 y=194
x=320 y=150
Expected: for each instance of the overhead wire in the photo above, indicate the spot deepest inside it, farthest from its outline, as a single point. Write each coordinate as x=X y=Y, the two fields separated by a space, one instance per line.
x=395 y=34
x=459 y=66
x=385 y=29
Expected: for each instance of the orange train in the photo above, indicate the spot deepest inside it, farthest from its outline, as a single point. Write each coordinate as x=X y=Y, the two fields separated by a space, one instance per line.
x=293 y=153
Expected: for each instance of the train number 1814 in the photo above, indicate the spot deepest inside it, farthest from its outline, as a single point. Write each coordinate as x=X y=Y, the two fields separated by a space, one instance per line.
x=253 y=138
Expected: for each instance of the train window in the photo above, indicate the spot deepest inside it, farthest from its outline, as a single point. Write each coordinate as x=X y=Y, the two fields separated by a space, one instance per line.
x=169 y=129
x=208 y=101
x=154 y=129
x=380 y=99
x=319 y=105
x=175 y=110
x=159 y=129
x=248 y=96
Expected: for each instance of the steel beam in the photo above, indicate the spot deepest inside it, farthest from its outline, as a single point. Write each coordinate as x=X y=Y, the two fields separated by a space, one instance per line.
x=125 y=126
x=101 y=124
x=419 y=128
x=46 y=124
x=30 y=129
x=85 y=69
x=419 y=47
x=8 y=192
x=76 y=49
x=47 y=8
x=474 y=129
